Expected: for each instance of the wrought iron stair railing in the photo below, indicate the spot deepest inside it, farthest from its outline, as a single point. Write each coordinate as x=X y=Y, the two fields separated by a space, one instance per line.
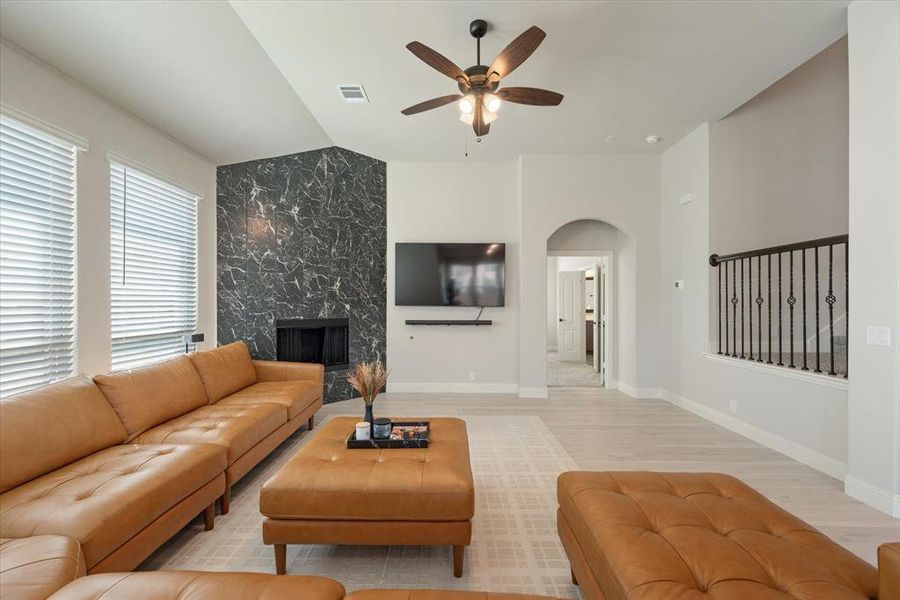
x=792 y=290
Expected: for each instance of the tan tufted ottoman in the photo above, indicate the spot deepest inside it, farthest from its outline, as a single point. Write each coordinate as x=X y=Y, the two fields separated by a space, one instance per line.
x=642 y=535
x=327 y=494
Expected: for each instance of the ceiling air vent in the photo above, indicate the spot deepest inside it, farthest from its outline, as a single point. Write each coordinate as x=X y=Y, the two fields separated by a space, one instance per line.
x=353 y=93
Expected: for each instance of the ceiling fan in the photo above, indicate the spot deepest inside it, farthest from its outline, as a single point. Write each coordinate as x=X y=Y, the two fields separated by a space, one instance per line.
x=480 y=93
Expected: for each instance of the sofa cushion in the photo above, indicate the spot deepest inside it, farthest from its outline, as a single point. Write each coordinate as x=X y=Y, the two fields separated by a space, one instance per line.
x=151 y=395
x=294 y=396
x=105 y=499
x=196 y=585
x=225 y=370
x=235 y=428
x=47 y=428
x=32 y=568
x=680 y=535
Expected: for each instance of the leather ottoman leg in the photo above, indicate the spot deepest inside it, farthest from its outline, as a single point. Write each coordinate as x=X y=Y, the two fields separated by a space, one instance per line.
x=574 y=578
x=280 y=559
x=458 y=555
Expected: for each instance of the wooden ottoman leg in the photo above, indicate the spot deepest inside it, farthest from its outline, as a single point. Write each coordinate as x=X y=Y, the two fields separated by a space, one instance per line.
x=574 y=579
x=280 y=558
x=226 y=501
x=311 y=422
x=458 y=554
x=209 y=516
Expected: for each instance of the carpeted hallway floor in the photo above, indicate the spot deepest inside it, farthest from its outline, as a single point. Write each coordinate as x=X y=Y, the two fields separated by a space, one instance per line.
x=570 y=374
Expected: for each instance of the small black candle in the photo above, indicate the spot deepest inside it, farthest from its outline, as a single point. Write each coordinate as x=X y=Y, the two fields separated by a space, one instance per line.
x=382 y=426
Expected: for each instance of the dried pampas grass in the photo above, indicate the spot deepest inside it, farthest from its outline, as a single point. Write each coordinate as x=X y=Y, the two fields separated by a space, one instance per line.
x=368 y=378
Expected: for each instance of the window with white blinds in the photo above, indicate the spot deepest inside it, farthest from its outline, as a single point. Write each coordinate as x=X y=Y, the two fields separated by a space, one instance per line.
x=37 y=257
x=153 y=269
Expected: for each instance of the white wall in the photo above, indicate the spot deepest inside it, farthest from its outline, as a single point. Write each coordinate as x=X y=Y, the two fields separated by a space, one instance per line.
x=33 y=88
x=874 y=415
x=623 y=191
x=453 y=202
x=802 y=419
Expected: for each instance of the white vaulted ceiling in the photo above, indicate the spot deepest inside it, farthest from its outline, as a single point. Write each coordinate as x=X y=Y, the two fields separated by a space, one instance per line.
x=189 y=68
x=256 y=78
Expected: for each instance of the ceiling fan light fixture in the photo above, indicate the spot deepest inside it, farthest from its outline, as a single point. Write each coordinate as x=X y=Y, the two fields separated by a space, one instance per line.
x=488 y=117
x=467 y=105
x=467 y=118
x=492 y=103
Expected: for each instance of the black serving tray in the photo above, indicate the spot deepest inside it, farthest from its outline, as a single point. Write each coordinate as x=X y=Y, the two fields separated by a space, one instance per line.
x=417 y=442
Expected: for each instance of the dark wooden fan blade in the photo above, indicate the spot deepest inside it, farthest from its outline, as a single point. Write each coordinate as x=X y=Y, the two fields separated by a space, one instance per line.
x=517 y=51
x=437 y=61
x=481 y=128
x=429 y=104
x=532 y=96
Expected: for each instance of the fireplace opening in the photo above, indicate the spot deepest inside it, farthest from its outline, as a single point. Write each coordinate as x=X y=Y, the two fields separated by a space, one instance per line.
x=325 y=341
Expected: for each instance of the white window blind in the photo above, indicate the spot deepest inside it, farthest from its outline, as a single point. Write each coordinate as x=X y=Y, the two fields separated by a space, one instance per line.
x=153 y=269
x=37 y=257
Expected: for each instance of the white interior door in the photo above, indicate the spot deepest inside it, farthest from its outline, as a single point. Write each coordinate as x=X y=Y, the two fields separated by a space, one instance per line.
x=597 y=316
x=570 y=315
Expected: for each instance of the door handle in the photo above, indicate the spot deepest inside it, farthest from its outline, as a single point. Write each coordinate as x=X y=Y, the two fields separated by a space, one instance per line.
x=561 y=320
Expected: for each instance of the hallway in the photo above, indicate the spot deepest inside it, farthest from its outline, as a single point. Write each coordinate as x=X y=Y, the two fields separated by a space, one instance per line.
x=570 y=374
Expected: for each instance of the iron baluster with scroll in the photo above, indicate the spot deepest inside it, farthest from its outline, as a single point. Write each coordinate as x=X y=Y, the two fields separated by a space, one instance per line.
x=801 y=341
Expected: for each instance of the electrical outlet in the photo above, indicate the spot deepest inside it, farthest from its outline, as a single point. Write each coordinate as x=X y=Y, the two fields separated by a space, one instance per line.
x=732 y=405
x=877 y=335
x=471 y=375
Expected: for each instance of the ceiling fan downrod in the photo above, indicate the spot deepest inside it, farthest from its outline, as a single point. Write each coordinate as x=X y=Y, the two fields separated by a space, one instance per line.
x=478 y=28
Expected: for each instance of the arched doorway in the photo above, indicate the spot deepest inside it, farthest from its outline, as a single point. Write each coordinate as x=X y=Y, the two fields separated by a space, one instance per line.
x=582 y=300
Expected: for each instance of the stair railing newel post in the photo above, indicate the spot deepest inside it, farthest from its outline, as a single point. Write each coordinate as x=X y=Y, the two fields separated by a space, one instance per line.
x=780 y=306
x=734 y=301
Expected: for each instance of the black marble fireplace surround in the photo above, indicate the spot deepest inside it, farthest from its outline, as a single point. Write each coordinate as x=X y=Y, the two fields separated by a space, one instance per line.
x=303 y=237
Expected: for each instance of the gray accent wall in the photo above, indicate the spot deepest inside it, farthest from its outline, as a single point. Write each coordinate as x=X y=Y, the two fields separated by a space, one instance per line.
x=303 y=236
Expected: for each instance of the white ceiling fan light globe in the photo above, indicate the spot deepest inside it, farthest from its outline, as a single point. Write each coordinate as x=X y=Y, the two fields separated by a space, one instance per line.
x=467 y=118
x=488 y=117
x=467 y=105
x=492 y=102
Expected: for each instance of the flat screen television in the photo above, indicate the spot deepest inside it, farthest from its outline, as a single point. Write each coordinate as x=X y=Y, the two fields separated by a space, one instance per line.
x=449 y=274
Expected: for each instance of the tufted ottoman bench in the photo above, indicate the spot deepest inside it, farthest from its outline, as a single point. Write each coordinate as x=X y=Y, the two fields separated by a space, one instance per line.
x=327 y=494
x=641 y=535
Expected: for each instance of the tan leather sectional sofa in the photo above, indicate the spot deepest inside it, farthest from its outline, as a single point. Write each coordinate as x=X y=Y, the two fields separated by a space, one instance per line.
x=52 y=566
x=122 y=462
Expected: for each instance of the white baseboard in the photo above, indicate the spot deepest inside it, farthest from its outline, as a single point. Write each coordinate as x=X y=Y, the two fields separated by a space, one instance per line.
x=532 y=392
x=634 y=392
x=807 y=456
x=872 y=495
x=453 y=388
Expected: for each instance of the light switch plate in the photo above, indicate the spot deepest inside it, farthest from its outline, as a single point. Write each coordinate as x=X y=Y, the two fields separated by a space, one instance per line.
x=878 y=335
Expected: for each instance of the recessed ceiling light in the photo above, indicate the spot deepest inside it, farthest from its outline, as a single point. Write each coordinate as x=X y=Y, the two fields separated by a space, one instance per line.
x=652 y=139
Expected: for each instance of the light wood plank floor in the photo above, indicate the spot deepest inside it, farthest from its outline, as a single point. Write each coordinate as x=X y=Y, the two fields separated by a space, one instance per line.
x=606 y=430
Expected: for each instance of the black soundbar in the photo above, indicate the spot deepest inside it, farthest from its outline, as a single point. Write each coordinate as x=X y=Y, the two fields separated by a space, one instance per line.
x=476 y=323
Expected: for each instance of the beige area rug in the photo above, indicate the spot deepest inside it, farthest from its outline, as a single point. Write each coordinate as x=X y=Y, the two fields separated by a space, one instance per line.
x=515 y=547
